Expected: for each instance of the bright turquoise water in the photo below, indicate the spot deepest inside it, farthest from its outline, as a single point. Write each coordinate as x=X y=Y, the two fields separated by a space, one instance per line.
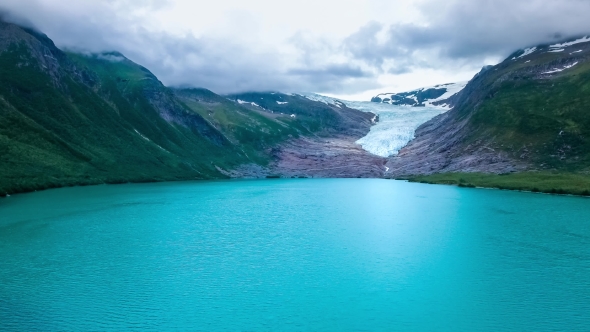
x=328 y=255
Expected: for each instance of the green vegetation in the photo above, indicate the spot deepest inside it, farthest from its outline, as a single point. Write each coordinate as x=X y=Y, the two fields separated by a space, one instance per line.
x=545 y=182
x=73 y=119
x=542 y=121
x=63 y=122
x=312 y=116
x=253 y=132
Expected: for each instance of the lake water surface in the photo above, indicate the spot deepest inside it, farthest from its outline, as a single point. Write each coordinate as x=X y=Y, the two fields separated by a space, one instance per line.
x=326 y=255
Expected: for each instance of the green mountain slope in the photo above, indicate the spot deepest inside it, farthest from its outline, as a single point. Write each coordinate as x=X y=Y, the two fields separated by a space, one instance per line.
x=76 y=119
x=528 y=113
x=253 y=131
x=67 y=119
x=312 y=116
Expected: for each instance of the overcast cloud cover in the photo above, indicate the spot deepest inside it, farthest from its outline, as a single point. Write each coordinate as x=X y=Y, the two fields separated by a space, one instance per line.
x=344 y=48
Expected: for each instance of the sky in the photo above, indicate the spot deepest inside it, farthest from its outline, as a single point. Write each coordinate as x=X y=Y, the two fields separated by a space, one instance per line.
x=352 y=49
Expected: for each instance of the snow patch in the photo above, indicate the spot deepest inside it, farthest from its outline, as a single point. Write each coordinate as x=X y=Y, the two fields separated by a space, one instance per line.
x=145 y=138
x=578 y=51
x=241 y=102
x=527 y=51
x=560 y=69
x=452 y=90
x=323 y=99
x=556 y=51
x=577 y=41
x=527 y=61
x=282 y=102
x=313 y=98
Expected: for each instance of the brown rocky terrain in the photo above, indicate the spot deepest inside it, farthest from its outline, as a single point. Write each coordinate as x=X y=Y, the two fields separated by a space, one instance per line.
x=334 y=157
x=438 y=148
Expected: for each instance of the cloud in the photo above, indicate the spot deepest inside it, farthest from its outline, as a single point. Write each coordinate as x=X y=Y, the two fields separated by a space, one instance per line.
x=337 y=70
x=110 y=57
x=252 y=50
x=461 y=32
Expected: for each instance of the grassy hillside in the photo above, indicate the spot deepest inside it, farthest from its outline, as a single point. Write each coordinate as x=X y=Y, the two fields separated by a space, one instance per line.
x=75 y=119
x=252 y=131
x=539 y=118
x=69 y=119
x=528 y=114
x=544 y=182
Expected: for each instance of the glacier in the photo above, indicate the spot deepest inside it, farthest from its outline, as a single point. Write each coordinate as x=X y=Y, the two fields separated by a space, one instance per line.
x=396 y=127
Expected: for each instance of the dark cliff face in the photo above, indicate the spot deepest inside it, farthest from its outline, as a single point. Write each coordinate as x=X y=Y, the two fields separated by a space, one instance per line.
x=527 y=113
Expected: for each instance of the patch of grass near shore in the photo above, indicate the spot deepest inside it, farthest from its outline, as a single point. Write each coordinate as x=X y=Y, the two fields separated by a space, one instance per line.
x=545 y=182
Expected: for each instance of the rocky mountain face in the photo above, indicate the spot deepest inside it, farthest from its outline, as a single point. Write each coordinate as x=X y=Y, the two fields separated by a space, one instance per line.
x=437 y=95
x=529 y=112
x=76 y=119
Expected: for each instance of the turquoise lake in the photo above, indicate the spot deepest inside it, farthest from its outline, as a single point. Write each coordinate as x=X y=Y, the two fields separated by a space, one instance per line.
x=309 y=254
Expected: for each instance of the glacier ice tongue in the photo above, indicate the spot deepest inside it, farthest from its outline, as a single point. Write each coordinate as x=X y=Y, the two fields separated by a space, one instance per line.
x=396 y=127
x=397 y=124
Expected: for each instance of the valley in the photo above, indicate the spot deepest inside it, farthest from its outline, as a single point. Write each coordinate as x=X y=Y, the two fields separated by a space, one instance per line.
x=70 y=119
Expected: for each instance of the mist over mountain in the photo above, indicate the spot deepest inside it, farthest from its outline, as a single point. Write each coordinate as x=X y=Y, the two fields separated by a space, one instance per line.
x=322 y=47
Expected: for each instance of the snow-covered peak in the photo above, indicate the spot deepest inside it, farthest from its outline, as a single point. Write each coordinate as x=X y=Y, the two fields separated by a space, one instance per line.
x=421 y=97
x=557 y=70
x=323 y=99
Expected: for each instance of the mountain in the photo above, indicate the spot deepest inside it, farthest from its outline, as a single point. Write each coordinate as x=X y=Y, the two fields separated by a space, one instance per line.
x=313 y=114
x=436 y=95
x=329 y=149
x=69 y=119
x=77 y=119
x=528 y=113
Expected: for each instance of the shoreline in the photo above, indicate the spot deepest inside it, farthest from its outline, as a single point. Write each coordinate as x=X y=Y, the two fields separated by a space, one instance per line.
x=449 y=179
x=563 y=184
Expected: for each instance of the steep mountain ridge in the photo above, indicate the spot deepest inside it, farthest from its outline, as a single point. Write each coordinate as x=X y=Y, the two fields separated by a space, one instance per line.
x=527 y=113
x=63 y=123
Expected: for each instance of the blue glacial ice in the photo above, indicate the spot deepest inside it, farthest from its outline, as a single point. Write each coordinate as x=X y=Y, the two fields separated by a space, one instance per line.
x=396 y=127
